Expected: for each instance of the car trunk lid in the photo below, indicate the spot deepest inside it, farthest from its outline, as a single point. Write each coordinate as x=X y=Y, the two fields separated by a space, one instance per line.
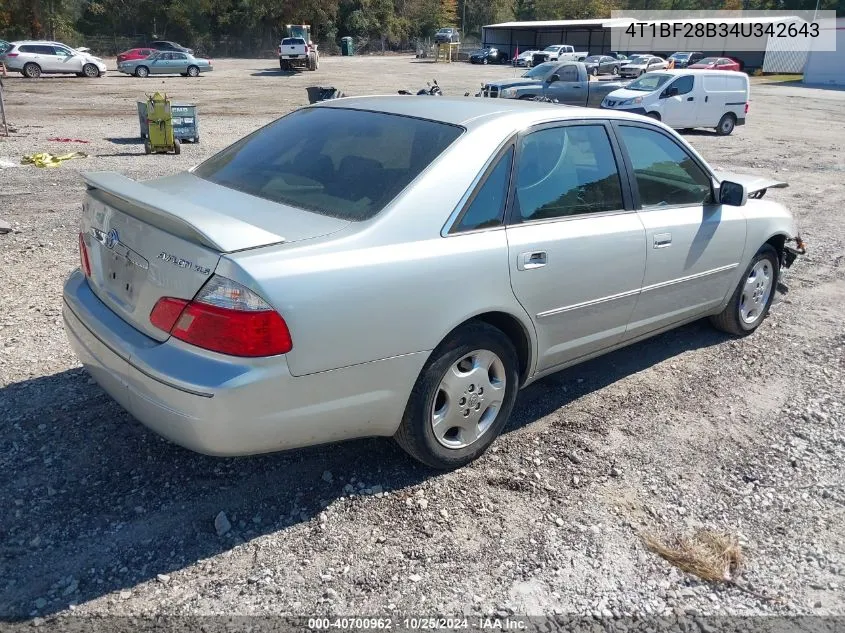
x=146 y=241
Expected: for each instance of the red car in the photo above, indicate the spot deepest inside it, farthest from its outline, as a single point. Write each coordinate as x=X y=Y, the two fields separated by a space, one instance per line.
x=135 y=53
x=717 y=63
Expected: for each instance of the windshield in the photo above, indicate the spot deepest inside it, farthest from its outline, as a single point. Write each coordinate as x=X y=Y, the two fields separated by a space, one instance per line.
x=707 y=61
x=342 y=163
x=679 y=55
x=637 y=59
x=649 y=82
x=540 y=70
x=592 y=59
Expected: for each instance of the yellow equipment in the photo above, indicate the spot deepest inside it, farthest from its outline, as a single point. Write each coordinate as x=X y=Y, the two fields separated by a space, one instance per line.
x=160 y=124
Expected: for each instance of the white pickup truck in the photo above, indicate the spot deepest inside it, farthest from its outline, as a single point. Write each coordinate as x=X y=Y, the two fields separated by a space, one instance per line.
x=564 y=53
x=296 y=52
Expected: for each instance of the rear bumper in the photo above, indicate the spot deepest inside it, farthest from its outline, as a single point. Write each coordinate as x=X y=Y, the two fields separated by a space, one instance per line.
x=220 y=405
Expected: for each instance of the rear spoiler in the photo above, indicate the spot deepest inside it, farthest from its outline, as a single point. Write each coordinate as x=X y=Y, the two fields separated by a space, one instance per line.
x=223 y=233
x=756 y=186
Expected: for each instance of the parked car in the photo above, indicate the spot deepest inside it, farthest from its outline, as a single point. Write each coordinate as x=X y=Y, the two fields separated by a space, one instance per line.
x=489 y=55
x=165 y=45
x=135 y=53
x=565 y=82
x=602 y=65
x=638 y=65
x=687 y=98
x=717 y=63
x=297 y=52
x=4 y=45
x=524 y=59
x=447 y=35
x=166 y=63
x=195 y=303
x=564 y=52
x=682 y=60
x=34 y=58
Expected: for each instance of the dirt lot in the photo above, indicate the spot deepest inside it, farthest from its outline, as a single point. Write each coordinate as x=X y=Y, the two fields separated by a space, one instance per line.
x=688 y=430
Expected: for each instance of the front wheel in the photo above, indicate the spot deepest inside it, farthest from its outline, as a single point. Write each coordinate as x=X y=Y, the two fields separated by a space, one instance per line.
x=616 y=70
x=177 y=146
x=90 y=71
x=193 y=71
x=594 y=72
x=750 y=302
x=462 y=398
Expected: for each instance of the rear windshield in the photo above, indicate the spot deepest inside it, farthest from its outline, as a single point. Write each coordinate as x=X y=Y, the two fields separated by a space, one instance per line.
x=708 y=60
x=343 y=163
x=292 y=41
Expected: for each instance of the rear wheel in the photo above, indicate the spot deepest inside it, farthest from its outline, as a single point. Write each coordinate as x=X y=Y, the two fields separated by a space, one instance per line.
x=177 y=146
x=90 y=71
x=32 y=70
x=148 y=148
x=726 y=124
x=462 y=398
x=193 y=71
x=142 y=71
x=753 y=296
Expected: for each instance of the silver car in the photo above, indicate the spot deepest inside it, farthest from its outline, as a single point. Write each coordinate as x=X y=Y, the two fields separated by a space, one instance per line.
x=394 y=266
x=34 y=58
x=166 y=63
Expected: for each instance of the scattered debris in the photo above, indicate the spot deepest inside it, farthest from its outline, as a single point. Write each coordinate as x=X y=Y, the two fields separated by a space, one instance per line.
x=43 y=159
x=221 y=523
x=709 y=555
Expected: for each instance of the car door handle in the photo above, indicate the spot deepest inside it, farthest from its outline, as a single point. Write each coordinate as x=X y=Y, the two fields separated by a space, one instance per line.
x=690 y=98
x=531 y=260
x=706 y=99
x=662 y=240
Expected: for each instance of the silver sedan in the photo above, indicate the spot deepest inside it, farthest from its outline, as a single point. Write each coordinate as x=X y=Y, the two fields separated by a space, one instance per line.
x=166 y=63
x=394 y=266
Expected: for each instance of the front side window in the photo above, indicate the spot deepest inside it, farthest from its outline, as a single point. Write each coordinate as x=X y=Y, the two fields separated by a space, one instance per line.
x=487 y=208
x=666 y=174
x=568 y=73
x=683 y=84
x=567 y=171
x=338 y=162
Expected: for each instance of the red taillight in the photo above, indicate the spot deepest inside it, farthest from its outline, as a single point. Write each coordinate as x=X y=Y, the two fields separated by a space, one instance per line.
x=225 y=317
x=166 y=311
x=84 y=262
x=746 y=107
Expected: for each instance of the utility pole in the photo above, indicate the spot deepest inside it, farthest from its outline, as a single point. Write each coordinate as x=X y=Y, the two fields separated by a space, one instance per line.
x=463 y=20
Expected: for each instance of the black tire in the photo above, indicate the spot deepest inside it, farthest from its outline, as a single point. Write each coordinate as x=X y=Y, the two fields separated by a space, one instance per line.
x=148 y=148
x=726 y=124
x=730 y=319
x=90 y=71
x=31 y=70
x=416 y=435
x=177 y=146
x=142 y=71
x=616 y=70
x=484 y=61
x=193 y=71
x=594 y=72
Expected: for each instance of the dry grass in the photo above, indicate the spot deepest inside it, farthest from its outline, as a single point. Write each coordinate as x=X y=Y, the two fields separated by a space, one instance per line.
x=709 y=555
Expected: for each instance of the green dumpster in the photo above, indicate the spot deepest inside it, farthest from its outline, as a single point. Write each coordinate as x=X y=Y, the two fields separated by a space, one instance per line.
x=347 y=47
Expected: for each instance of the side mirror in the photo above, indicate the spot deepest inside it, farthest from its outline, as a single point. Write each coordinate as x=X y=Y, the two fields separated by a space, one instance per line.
x=671 y=91
x=732 y=194
x=553 y=78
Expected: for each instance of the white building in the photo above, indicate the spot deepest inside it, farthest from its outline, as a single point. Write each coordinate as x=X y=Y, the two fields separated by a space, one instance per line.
x=828 y=67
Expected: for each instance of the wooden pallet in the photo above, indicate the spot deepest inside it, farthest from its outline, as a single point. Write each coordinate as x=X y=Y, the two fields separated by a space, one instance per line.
x=447 y=52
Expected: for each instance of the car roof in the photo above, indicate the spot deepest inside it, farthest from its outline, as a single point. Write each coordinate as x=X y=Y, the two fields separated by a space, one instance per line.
x=699 y=71
x=472 y=112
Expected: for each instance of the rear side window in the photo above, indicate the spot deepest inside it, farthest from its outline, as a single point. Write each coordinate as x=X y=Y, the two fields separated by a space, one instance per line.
x=343 y=163
x=567 y=171
x=181 y=56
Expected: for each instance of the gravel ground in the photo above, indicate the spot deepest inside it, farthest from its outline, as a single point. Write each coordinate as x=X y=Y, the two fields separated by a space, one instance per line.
x=688 y=430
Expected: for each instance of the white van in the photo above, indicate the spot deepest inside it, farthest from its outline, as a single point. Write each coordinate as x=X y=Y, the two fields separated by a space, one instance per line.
x=687 y=98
